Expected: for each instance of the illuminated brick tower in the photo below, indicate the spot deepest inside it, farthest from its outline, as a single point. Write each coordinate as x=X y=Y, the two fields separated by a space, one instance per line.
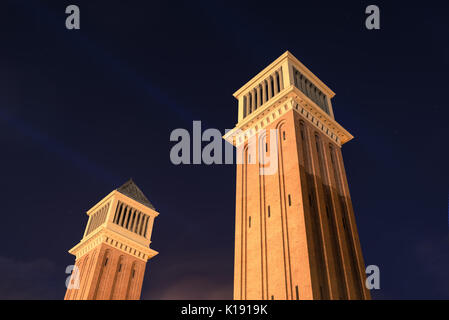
x=112 y=255
x=296 y=235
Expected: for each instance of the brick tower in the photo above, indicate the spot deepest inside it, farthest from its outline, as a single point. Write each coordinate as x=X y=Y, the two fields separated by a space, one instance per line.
x=111 y=257
x=296 y=235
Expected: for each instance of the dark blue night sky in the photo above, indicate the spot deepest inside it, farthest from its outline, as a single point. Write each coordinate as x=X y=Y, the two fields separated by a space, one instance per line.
x=83 y=111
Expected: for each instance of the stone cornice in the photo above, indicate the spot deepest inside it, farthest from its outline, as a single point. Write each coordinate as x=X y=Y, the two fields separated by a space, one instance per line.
x=124 y=198
x=289 y=98
x=115 y=240
x=275 y=65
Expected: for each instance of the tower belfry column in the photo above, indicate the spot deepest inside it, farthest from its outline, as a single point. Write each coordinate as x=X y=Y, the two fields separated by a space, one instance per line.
x=295 y=230
x=111 y=258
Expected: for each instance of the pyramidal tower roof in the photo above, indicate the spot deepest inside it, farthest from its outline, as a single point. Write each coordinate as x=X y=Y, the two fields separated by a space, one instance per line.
x=130 y=189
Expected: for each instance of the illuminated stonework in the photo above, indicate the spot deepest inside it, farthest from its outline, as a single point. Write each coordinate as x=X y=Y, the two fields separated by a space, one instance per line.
x=296 y=235
x=111 y=258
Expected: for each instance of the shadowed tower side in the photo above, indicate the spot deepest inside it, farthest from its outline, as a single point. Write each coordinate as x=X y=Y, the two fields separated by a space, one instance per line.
x=296 y=235
x=112 y=255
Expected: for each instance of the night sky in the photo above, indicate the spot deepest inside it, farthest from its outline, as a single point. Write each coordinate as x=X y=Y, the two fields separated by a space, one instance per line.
x=82 y=111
